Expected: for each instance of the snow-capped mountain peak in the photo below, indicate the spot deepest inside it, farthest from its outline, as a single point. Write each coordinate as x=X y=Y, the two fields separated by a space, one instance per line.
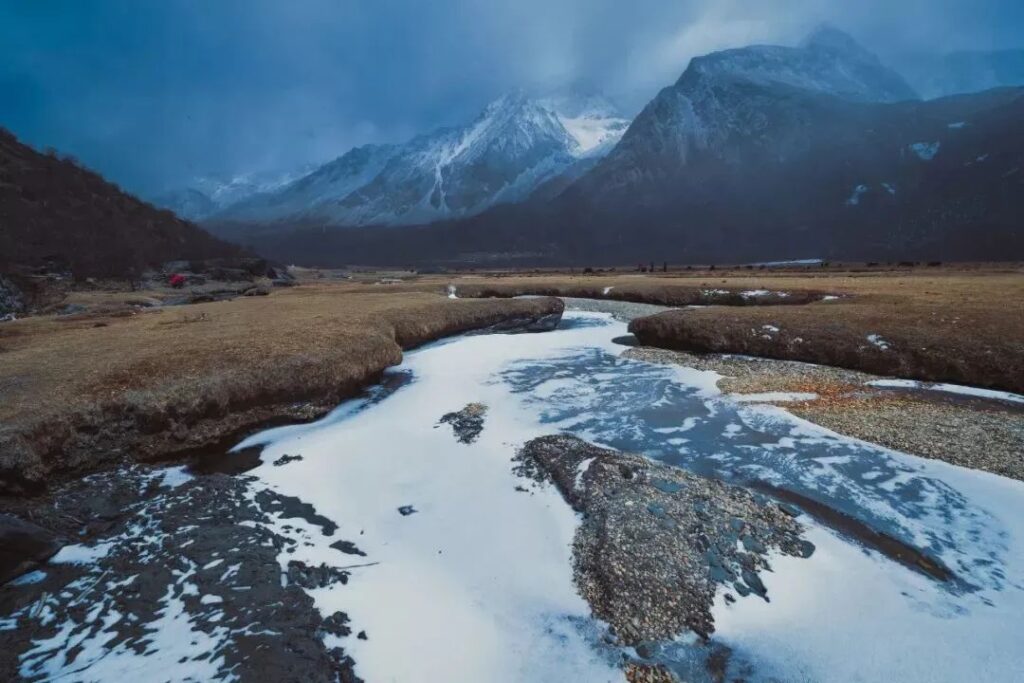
x=828 y=37
x=206 y=195
x=589 y=117
x=514 y=145
x=828 y=62
x=740 y=97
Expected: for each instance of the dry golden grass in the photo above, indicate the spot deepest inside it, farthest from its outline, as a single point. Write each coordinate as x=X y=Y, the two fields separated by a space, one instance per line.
x=958 y=324
x=121 y=381
x=957 y=327
x=76 y=390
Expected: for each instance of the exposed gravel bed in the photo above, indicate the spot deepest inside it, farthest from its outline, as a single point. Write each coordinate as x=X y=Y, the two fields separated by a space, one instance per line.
x=971 y=432
x=962 y=433
x=751 y=375
x=644 y=673
x=657 y=542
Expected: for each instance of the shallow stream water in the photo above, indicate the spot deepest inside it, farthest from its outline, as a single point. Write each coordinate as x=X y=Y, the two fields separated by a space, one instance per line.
x=464 y=576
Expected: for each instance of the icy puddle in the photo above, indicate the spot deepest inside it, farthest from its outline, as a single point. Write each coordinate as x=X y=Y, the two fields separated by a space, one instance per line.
x=458 y=573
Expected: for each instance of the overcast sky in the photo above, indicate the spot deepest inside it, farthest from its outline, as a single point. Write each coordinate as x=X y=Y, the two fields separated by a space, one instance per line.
x=154 y=92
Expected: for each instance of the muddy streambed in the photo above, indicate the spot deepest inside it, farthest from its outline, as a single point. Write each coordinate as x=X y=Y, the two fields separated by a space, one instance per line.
x=400 y=518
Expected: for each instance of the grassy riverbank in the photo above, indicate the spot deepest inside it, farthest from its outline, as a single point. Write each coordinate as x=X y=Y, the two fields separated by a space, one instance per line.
x=123 y=379
x=954 y=324
x=88 y=389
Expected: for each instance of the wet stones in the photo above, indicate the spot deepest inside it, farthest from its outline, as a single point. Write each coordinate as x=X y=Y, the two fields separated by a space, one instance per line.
x=545 y=323
x=466 y=423
x=337 y=625
x=290 y=507
x=305 y=576
x=23 y=545
x=525 y=324
x=348 y=547
x=285 y=459
x=656 y=542
x=204 y=550
x=646 y=673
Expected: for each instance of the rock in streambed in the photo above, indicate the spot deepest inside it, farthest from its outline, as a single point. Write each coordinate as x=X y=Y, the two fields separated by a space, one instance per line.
x=466 y=423
x=657 y=542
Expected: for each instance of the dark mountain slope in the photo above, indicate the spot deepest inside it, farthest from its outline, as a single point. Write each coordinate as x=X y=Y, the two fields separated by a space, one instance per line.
x=51 y=209
x=823 y=177
x=759 y=153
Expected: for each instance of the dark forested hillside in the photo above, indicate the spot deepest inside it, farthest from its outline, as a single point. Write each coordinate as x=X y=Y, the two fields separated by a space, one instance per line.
x=53 y=210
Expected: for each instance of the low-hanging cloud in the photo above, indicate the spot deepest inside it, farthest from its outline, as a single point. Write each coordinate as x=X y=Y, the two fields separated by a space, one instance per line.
x=153 y=94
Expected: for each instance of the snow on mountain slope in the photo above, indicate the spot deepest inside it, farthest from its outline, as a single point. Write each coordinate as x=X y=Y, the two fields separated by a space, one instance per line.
x=738 y=97
x=511 y=147
x=590 y=118
x=225 y=191
x=515 y=145
x=206 y=195
x=316 y=192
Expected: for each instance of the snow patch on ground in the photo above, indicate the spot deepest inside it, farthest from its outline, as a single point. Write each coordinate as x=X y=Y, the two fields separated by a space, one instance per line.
x=173 y=477
x=950 y=388
x=82 y=553
x=855 y=196
x=581 y=470
x=878 y=341
x=175 y=643
x=31 y=577
x=925 y=151
x=773 y=396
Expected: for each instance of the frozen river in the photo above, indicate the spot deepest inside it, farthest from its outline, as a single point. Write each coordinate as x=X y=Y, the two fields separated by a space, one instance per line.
x=458 y=574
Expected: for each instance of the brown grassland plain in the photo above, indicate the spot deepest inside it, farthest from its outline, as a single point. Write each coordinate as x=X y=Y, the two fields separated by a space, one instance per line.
x=83 y=390
x=955 y=324
x=121 y=382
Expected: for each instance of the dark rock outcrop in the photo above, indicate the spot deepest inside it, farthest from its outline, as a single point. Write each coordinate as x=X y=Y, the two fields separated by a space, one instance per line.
x=466 y=423
x=23 y=545
x=657 y=542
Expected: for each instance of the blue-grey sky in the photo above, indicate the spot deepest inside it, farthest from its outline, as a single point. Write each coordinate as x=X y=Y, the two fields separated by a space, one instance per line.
x=154 y=92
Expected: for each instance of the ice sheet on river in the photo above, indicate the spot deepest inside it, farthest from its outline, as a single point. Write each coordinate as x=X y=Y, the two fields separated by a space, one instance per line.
x=488 y=568
x=467 y=578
